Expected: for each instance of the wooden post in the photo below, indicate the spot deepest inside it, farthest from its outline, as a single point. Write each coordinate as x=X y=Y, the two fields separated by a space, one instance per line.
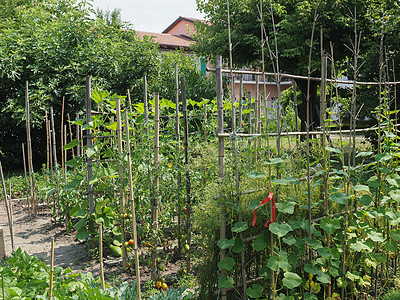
x=103 y=285
x=134 y=225
x=50 y=151
x=54 y=137
x=121 y=179
x=7 y=208
x=2 y=245
x=178 y=151
x=296 y=111
x=249 y=117
x=89 y=145
x=156 y=185
x=188 y=198
x=29 y=147
x=146 y=109
x=78 y=137
x=26 y=179
x=64 y=153
x=241 y=103
x=221 y=156
x=62 y=136
x=51 y=268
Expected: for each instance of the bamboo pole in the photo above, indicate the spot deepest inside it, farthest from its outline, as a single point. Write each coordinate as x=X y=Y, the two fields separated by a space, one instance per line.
x=103 y=285
x=7 y=208
x=50 y=151
x=188 y=187
x=146 y=109
x=178 y=162
x=241 y=103
x=132 y=200
x=62 y=136
x=221 y=157
x=64 y=153
x=121 y=180
x=53 y=137
x=78 y=137
x=51 y=268
x=88 y=146
x=29 y=147
x=156 y=185
x=233 y=99
x=296 y=111
x=47 y=144
x=26 y=180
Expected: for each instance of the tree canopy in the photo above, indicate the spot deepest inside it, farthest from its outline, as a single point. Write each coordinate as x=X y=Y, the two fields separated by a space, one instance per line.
x=293 y=19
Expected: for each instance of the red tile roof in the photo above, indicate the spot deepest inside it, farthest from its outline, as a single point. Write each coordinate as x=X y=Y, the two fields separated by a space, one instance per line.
x=167 y=40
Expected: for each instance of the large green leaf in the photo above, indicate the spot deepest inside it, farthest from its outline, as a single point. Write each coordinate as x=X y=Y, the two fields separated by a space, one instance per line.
x=278 y=262
x=256 y=174
x=239 y=245
x=291 y=280
x=376 y=236
x=226 y=264
x=382 y=157
x=239 y=227
x=330 y=225
x=225 y=243
x=340 y=198
x=366 y=200
x=225 y=282
x=280 y=229
x=260 y=243
x=255 y=291
x=286 y=207
x=360 y=187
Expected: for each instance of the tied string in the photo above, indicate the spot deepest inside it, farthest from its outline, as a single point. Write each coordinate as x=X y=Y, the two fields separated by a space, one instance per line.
x=266 y=200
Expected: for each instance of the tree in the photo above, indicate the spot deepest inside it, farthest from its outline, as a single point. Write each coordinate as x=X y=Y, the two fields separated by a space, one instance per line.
x=294 y=22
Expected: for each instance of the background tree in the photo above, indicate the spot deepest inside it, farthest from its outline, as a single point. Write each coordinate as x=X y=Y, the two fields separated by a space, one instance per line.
x=294 y=21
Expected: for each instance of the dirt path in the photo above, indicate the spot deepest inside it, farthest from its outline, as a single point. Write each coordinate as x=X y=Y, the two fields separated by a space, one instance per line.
x=33 y=234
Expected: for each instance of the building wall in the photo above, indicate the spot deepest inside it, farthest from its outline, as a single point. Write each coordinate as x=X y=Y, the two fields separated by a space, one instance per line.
x=182 y=28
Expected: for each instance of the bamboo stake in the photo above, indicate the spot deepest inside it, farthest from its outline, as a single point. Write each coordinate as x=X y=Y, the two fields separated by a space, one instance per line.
x=132 y=200
x=26 y=180
x=156 y=185
x=50 y=151
x=233 y=100
x=62 y=136
x=178 y=150
x=54 y=137
x=64 y=152
x=241 y=104
x=88 y=146
x=7 y=208
x=78 y=137
x=29 y=147
x=188 y=197
x=2 y=286
x=71 y=135
x=221 y=157
x=51 y=268
x=296 y=111
x=121 y=180
x=47 y=145
x=146 y=109
x=103 y=285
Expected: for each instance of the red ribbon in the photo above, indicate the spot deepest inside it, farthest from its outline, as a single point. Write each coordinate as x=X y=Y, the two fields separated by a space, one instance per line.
x=266 y=200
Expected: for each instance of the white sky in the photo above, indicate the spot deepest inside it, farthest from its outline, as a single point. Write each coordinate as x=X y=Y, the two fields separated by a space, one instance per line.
x=151 y=15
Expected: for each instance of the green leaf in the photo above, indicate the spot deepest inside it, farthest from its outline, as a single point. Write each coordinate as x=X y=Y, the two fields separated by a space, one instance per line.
x=324 y=252
x=255 y=291
x=239 y=246
x=260 y=243
x=311 y=269
x=359 y=246
x=256 y=174
x=330 y=225
x=323 y=277
x=291 y=280
x=91 y=151
x=366 y=200
x=274 y=161
x=375 y=236
x=364 y=154
x=352 y=277
x=71 y=144
x=225 y=243
x=225 y=282
x=395 y=235
x=360 y=187
x=276 y=262
x=289 y=239
x=82 y=234
x=280 y=229
x=72 y=185
x=74 y=162
x=281 y=181
x=226 y=264
x=340 y=198
x=313 y=243
x=382 y=157
x=239 y=227
x=334 y=150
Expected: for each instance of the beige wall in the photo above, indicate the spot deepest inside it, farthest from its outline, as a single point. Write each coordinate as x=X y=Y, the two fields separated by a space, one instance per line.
x=182 y=28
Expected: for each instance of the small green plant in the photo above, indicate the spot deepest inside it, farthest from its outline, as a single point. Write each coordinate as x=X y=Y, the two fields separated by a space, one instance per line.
x=393 y=294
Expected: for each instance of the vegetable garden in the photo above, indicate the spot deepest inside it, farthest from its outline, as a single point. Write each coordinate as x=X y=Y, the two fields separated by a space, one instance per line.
x=226 y=189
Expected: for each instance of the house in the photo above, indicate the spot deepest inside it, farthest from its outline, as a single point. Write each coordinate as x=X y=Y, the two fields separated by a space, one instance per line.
x=178 y=36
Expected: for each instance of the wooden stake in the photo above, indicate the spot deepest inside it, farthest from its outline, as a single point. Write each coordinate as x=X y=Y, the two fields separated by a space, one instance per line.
x=156 y=185
x=89 y=145
x=53 y=137
x=146 y=109
x=29 y=147
x=51 y=268
x=26 y=180
x=178 y=151
x=62 y=136
x=133 y=210
x=186 y=144
x=103 y=285
x=241 y=103
x=7 y=208
x=221 y=157
x=121 y=179
x=47 y=145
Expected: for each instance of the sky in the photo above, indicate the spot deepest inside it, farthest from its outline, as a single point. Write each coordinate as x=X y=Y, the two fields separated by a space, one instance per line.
x=151 y=15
